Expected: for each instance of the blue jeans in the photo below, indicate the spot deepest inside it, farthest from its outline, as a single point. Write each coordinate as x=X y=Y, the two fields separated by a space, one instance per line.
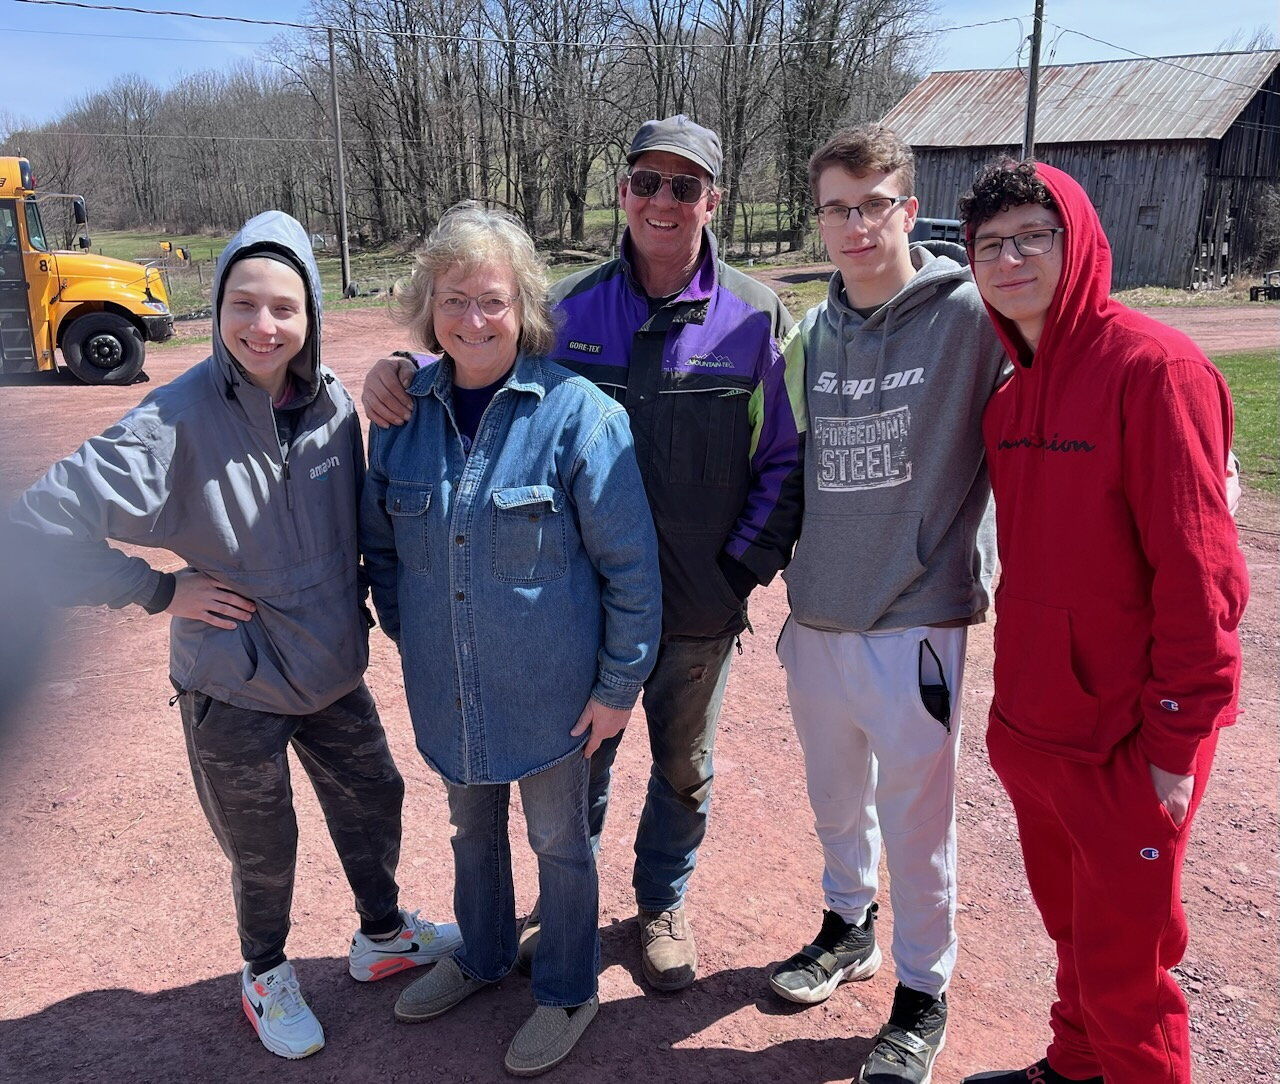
x=681 y=704
x=484 y=902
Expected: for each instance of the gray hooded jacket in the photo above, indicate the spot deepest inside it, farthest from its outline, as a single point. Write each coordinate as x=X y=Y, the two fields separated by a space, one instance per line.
x=895 y=484
x=197 y=468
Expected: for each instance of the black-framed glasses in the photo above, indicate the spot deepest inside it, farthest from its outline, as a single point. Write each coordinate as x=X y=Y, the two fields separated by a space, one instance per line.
x=872 y=211
x=685 y=187
x=1027 y=243
x=488 y=304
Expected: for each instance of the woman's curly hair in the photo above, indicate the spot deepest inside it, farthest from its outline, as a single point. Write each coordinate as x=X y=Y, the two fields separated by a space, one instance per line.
x=1000 y=185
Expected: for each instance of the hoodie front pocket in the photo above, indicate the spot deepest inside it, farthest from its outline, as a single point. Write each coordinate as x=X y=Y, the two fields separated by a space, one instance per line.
x=529 y=534
x=849 y=570
x=1037 y=690
x=407 y=504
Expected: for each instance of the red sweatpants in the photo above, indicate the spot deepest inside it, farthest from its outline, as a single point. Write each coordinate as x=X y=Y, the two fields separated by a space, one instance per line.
x=1104 y=861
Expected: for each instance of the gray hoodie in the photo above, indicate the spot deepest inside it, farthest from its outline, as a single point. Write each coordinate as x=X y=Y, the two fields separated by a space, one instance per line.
x=197 y=468
x=895 y=481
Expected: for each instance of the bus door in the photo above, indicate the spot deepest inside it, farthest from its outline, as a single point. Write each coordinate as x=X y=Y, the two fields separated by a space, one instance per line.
x=17 y=343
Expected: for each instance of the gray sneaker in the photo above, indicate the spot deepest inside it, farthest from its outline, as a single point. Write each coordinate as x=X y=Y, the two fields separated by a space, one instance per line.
x=547 y=1037
x=438 y=991
x=908 y=1044
x=842 y=952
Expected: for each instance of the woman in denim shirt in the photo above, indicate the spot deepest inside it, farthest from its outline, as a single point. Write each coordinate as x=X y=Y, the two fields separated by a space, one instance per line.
x=514 y=563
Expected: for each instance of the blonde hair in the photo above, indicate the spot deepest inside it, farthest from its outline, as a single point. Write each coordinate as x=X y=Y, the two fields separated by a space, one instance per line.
x=469 y=236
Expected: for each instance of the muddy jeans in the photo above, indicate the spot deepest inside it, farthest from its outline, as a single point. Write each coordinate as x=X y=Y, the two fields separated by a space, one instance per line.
x=241 y=771
x=682 y=706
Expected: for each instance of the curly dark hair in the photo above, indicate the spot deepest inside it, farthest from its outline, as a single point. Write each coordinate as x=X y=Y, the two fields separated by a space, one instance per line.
x=1000 y=185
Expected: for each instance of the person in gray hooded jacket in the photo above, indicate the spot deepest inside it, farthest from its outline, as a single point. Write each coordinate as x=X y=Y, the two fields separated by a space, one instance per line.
x=887 y=575
x=249 y=467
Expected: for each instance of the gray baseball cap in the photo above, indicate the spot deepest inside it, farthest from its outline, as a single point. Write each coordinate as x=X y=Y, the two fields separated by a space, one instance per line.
x=681 y=136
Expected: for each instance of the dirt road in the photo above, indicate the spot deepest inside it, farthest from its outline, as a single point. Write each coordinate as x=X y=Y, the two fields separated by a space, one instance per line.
x=117 y=946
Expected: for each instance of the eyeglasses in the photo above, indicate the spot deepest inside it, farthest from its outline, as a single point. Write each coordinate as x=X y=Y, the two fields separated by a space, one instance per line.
x=684 y=186
x=1028 y=243
x=872 y=211
x=488 y=304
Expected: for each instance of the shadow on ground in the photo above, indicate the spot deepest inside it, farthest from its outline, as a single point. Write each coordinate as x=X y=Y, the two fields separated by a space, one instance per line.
x=197 y=1033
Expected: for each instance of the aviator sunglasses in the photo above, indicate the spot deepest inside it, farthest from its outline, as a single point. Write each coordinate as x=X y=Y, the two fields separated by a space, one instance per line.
x=648 y=182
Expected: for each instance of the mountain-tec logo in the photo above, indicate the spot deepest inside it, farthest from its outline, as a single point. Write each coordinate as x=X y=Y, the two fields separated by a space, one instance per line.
x=325 y=467
x=829 y=383
x=710 y=361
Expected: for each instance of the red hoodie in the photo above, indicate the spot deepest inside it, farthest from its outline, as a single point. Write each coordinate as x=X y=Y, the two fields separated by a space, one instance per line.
x=1122 y=580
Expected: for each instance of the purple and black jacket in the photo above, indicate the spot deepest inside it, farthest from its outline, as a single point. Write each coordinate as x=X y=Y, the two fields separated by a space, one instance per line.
x=715 y=428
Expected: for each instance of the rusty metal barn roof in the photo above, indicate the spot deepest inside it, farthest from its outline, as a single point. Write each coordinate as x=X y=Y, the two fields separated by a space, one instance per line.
x=1178 y=97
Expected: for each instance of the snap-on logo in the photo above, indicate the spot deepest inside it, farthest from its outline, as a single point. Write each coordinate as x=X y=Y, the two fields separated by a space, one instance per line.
x=585 y=348
x=325 y=467
x=828 y=382
x=1170 y=705
x=1150 y=853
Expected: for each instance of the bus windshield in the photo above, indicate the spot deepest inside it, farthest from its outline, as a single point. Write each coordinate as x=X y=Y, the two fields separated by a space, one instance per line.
x=35 y=228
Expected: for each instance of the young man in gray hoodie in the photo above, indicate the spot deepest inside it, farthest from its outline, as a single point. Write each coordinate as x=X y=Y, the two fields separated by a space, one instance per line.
x=248 y=467
x=886 y=578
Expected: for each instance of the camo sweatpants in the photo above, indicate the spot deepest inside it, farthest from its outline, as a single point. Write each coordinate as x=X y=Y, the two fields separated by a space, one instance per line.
x=241 y=771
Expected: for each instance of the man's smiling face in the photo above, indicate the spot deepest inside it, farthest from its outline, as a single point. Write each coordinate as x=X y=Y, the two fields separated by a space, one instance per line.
x=664 y=230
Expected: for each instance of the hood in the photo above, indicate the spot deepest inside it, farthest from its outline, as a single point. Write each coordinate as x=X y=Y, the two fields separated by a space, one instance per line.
x=285 y=234
x=73 y=264
x=1082 y=301
x=932 y=272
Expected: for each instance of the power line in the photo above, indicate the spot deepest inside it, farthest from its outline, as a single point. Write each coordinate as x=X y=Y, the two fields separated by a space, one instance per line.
x=480 y=39
x=132 y=37
x=1166 y=61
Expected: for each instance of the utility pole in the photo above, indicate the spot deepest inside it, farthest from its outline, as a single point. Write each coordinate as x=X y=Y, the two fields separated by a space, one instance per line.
x=1033 y=84
x=343 y=247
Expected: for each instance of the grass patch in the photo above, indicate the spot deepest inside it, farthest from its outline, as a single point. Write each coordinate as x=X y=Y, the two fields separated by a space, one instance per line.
x=1254 y=378
x=1234 y=293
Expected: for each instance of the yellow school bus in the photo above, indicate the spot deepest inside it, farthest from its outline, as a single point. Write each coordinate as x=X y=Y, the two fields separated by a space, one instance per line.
x=97 y=310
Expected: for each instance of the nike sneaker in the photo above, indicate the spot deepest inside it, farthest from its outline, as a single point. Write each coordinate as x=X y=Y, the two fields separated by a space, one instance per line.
x=279 y=1013
x=418 y=942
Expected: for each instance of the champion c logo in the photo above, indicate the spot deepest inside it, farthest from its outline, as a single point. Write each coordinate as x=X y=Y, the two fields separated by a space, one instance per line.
x=1150 y=853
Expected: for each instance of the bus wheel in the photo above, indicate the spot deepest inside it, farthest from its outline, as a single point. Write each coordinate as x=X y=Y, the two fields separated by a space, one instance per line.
x=103 y=348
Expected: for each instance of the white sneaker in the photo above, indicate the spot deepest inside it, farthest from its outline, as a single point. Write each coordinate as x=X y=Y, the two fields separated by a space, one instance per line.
x=279 y=1013
x=419 y=942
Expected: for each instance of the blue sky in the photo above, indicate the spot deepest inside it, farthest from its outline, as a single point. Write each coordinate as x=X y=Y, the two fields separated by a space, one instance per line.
x=56 y=55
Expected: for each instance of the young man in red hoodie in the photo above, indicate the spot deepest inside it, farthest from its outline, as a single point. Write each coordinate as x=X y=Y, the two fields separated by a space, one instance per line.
x=1122 y=585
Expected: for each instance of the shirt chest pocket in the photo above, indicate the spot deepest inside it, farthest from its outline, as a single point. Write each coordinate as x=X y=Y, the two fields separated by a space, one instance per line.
x=708 y=433
x=529 y=543
x=407 y=504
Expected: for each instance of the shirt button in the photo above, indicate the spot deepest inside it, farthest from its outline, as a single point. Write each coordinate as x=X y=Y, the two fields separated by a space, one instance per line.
x=533 y=515
x=460 y=539
x=458 y=702
x=460 y=596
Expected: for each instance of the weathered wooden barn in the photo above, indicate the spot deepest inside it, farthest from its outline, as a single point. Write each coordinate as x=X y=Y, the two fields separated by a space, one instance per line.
x=1172 y=150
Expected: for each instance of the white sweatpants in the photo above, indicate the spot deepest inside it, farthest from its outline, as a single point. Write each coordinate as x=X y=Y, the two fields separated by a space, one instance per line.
x=878 y=764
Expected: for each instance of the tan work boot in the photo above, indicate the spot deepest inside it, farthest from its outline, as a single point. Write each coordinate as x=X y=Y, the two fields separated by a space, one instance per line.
x=668 y=952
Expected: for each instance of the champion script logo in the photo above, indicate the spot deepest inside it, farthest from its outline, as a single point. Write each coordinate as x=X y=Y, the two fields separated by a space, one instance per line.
x=1053 y=444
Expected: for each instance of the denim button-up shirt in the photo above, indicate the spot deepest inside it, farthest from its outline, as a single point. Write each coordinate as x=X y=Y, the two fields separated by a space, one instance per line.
x=518 y=579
